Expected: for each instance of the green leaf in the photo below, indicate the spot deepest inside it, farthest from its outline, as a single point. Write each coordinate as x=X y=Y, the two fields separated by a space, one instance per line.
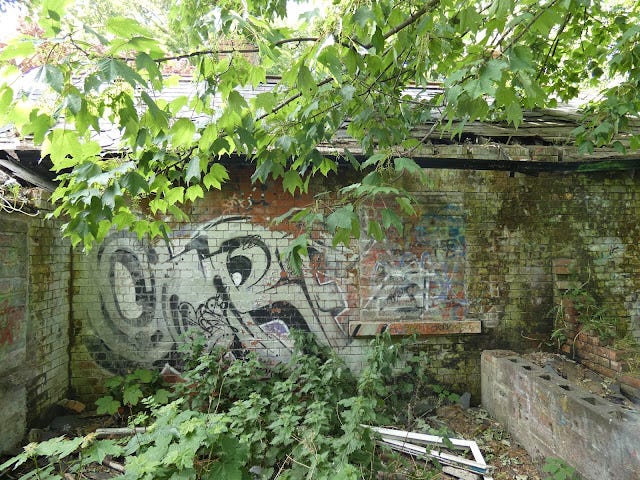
x=107 y=405
x=174 y=195
x=111 y=69
x=39 y=124
x=330 y=58
x=193 y=169
x=236 y=102
x=514 y=114
x=208 y=136
x=134 y=182
x=265 y=101
x=182 y=132
x=362 y=16
x=352 y=159
x=374 y=159
x=50 y=75
x=18 y=49
x=51 y=13
x=145 y=62
x=405 y=205
x=143 y=375
x=161 y=396
x=101 y=449
x=291 y=181
x=341 y=217
x=59 y=447
x=123 y=27
x=131 y=395
x=374 y=230
x=391 y=219
x=295 y=251
x=193 y=192
x=217 y=174
x=408 y=164
x=305 y=81
x=377 y=41
x=520 y=58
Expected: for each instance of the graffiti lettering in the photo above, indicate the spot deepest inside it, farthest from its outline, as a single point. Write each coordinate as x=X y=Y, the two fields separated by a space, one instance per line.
x=428 y=280
x=226 y=281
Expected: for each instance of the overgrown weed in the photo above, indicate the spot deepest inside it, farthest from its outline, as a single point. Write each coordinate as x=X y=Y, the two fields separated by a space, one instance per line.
x=245 y=419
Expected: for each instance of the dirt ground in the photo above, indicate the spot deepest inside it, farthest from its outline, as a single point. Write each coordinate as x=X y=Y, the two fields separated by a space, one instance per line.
x=509 y=460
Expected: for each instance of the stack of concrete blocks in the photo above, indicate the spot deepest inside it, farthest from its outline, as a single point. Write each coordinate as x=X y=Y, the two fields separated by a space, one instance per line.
x=551 y=418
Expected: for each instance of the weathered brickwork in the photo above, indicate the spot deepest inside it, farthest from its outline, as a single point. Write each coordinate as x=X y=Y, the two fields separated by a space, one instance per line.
x=49 y=313
x=481 y=248
x=13 y=329
x=34 y=319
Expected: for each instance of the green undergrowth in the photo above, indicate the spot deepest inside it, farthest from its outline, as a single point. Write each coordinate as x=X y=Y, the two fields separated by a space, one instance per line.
x=595 y=319
x=246 y=419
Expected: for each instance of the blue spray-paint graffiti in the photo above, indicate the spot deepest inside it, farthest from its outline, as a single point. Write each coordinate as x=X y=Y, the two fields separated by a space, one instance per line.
x=427 y=280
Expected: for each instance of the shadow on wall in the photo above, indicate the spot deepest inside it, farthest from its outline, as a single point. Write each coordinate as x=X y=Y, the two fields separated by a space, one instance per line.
x=226 y=281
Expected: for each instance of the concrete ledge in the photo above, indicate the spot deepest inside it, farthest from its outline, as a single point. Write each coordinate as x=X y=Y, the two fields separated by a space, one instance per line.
x=371 y=329
x=550 y=417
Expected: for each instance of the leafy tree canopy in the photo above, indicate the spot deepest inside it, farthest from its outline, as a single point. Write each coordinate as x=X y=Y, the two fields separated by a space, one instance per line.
x=349 y=66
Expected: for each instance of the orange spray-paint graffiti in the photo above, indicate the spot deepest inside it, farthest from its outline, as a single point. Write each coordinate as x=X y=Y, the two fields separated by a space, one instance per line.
x=10 y=319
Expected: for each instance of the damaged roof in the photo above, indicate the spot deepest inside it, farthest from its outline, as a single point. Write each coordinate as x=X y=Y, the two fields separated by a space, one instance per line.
x=542 y=142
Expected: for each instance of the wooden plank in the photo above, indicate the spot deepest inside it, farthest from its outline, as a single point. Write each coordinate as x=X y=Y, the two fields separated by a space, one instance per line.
x=371 y=329
x=26 y=175
x=459 y=473
x=118 y=432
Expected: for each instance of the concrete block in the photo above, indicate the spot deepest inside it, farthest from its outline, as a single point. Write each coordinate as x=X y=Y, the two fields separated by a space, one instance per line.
x=550 y=417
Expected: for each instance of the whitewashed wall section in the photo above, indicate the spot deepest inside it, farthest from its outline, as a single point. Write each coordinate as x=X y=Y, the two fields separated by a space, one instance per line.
x=224 y=279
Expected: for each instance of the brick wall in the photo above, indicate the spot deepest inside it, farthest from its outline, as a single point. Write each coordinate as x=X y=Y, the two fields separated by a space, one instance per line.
x=49 y=313
x=480 y=250
x=13 y=329
x=34 y=319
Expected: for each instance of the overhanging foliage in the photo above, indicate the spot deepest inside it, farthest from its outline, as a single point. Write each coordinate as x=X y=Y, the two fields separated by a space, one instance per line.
x=349 y=67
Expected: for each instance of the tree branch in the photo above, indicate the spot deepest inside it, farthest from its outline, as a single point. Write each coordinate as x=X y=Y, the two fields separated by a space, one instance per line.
x=412 y=19
x=233 y=50
x=289 y=100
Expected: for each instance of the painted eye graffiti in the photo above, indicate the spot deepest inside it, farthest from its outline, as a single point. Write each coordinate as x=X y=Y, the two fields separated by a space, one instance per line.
x=248 y=260
x=239 y=268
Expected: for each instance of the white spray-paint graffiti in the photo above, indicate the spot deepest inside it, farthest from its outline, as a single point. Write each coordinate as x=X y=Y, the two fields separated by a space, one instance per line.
x=426 y=282
x=226 y=281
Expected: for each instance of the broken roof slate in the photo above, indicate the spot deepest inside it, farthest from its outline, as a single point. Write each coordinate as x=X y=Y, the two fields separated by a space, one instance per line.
x=542 y=137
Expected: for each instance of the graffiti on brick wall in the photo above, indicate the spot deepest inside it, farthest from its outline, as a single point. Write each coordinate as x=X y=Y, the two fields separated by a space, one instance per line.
x=226 y=281
x=425 y=279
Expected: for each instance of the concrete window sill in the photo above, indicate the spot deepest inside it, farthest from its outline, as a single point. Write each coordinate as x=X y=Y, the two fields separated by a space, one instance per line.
x=370 y=329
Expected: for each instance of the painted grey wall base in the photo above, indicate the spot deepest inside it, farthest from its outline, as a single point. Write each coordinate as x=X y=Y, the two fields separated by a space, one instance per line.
x=35 y=272
x=551 y=418
x=13 y=401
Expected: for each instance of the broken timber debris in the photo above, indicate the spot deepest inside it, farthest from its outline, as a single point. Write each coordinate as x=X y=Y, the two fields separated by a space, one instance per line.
x=459 y=473
x=400 y=440
x=113 y=465
x=118 y=432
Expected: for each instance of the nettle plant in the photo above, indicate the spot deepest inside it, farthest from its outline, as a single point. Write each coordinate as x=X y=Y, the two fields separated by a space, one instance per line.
x=128 y=391
x=243 y=418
